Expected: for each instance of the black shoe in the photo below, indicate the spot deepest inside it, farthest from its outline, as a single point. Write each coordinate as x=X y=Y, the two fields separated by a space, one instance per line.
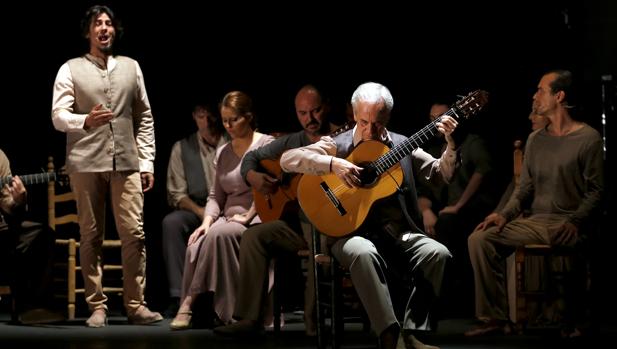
x=172 y=308
x=490 y=328
x=39 y=316
x=241 y=329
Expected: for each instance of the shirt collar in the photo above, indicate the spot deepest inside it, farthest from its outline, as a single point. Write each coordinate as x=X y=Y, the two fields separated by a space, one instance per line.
x=100 y=63
x=385 y=139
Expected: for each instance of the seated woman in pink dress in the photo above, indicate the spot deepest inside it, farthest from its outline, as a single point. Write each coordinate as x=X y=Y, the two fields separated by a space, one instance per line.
x=212 y=257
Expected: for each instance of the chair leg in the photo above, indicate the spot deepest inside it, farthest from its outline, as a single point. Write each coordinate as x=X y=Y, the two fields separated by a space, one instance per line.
x=276 y=302
x=336 y=322
x=521 y=305
x=321 y=343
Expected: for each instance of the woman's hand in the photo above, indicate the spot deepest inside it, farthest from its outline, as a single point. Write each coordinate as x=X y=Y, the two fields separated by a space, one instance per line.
x=202 y=230
x=242 y=218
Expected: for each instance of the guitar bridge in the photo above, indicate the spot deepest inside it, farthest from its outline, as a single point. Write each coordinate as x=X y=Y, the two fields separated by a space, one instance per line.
x=335 y=202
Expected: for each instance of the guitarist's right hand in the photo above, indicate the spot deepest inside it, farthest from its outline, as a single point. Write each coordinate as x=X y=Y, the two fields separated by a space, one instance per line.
x=262 y=182
x=347 y=172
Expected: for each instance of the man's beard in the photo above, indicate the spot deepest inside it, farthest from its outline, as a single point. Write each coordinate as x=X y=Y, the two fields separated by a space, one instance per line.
x=106 y=49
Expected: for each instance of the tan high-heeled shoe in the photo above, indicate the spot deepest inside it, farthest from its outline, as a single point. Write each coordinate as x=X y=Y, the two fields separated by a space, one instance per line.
x=177 y=324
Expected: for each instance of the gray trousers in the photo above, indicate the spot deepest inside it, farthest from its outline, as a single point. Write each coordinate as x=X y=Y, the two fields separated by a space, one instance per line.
x=259 y=244
x=421 y=258
x=488 y=250
x=177 y=226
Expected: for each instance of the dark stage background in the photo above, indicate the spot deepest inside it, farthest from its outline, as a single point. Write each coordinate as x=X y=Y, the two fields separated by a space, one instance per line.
x=269 y=51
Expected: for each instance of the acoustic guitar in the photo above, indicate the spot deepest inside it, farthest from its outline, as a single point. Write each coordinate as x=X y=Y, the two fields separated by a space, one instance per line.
x=271 y=206
x=337 y=210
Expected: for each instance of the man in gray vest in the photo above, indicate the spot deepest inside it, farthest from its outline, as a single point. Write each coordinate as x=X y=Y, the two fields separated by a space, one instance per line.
x=389 y=241
x=190 y=174
x=100 y=101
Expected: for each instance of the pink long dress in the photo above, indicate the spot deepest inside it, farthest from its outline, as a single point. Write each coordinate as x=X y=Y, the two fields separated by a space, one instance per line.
x=212 y=263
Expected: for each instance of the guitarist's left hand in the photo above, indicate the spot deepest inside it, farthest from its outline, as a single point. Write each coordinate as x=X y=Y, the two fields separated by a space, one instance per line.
x=17 y=191
x=446 y=125
x=346 y=171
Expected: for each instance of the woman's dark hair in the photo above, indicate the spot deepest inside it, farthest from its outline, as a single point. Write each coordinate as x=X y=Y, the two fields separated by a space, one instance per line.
x=93 y=12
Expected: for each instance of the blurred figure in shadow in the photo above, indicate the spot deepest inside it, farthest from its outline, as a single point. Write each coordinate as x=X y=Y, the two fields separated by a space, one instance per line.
x=27 y=254
x=450 y=211
x=190 y=174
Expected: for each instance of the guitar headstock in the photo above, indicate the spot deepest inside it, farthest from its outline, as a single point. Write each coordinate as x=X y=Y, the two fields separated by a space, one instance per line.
x=345 y=127
x=472 y=103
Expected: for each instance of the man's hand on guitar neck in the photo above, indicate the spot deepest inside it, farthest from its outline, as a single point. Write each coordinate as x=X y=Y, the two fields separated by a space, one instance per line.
x=262 y=182
x=17 y=190
x=347 y=172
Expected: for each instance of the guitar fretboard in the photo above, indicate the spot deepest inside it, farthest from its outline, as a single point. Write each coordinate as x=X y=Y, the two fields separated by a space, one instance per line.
x=464 y=108
x=399 y=151
x=30 y=179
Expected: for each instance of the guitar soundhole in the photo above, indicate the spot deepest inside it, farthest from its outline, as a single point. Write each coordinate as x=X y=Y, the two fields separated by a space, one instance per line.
x=368 y=175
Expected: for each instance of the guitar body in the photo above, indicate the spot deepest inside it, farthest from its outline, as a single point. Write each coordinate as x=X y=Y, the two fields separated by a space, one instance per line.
x=345 y=216
x=337 y=210
x=271 y=207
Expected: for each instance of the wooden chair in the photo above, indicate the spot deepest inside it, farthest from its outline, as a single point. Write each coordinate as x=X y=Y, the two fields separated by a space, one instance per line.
x=279 y=280
x=551 y=277
x=334 y=293
x=62 y=218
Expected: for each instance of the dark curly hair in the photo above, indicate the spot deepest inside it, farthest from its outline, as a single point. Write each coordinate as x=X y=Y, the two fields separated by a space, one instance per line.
x=93 y=12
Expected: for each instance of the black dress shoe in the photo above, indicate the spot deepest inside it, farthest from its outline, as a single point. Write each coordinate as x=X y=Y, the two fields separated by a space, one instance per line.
x=490 y=328
x=240 y=329
x=172 y=308
x=39 y=316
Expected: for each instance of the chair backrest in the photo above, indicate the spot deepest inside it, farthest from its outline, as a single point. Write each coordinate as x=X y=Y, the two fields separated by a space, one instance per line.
x=56 y=218
x=62 y=213
x=518 y=160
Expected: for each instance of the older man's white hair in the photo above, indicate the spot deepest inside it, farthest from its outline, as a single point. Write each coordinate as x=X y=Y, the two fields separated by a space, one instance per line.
x=373 y=92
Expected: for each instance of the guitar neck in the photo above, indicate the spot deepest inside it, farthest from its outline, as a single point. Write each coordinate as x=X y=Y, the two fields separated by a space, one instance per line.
x=464 y=108
x=30 y=178
x=399 y=151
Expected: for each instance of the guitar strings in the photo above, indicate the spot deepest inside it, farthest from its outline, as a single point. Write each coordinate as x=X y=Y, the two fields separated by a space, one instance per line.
x=398 y=152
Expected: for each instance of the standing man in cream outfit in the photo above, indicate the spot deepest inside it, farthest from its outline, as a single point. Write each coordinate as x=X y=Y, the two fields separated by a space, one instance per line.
x=100 y=101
